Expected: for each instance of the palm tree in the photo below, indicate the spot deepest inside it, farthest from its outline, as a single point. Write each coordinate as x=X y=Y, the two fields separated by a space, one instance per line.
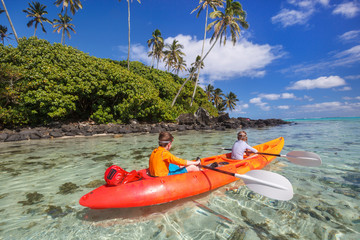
x=221 y=107
x=128 y=57
x=209 y=91
x=156 y=43
x=8 y=16
x=230 y=101
x=232 y=17
x=63 y=24
x=36 y=11
x=173 y=54
x=217 y=97
x=1 y=11
x=74 y=5
x=204 y=4
x=3 y=34
x=180 y=65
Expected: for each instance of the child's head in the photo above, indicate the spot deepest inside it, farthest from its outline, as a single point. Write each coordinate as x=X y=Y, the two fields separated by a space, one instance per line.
x=165 y=138
x=242 y=136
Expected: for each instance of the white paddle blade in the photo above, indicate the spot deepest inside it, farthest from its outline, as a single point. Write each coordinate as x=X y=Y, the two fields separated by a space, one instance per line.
x=302 y=158
x=268 y=184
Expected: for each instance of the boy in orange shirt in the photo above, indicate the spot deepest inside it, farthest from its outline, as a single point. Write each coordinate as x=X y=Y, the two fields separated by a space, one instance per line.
x=163 y=163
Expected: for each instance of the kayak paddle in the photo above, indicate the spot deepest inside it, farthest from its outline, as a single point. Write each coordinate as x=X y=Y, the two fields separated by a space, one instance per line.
x=266 y=183
x=302 y=158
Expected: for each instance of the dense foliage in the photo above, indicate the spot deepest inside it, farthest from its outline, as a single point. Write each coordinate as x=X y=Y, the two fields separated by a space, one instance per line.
x=42 y=82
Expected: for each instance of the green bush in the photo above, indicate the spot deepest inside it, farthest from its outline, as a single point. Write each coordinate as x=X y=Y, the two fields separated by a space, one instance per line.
x=42 y=82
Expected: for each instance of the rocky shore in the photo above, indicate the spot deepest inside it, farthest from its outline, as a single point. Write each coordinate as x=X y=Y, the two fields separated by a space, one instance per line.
x=201 y=120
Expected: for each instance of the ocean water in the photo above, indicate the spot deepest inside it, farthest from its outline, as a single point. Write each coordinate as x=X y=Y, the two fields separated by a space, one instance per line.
x=42 y=181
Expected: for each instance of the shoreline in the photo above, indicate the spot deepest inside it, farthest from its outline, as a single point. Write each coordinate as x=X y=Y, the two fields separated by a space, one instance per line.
x=197 y=122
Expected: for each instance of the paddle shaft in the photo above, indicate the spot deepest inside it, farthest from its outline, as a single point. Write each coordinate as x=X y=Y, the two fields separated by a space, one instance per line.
x=242 y=176
x=270 y=154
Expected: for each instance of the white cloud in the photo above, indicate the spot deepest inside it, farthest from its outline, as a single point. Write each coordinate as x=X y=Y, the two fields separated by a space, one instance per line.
x=270 y=96
x=310 y=99
x=305 y=9
x=321 y=82
x=274 y=96
x=255 y=100
x=350 y=35
x=287 y=96
x=258 y=102
x=346 y=88
x=353 y=77
x=223 y=62
x=347 y=9
x=348 y=56
x=332 y=107
x=288 y=17
x=345 y=58
x=352 y=98
x=240 y=107
x=283 y=107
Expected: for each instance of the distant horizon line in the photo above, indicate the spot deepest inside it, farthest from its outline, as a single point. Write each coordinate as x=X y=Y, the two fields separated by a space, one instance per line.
x=317 y=118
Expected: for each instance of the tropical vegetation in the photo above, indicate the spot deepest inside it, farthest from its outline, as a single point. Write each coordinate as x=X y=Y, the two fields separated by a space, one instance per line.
x=42 y=82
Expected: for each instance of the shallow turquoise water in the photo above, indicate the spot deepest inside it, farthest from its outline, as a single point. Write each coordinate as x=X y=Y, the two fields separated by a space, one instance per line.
x=34 y=203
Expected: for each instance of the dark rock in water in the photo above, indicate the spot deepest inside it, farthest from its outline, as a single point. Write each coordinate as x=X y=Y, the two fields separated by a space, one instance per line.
x=95 y=184
x=223 y=117
x=3 y=136
x=156 y=130
x=55 y=134
x=68 y=188
x=14 y=137
x=32 y=198
x=54 y=211
x=186 y=119
x=239 y=233
x=200 y=120
x=202 y=117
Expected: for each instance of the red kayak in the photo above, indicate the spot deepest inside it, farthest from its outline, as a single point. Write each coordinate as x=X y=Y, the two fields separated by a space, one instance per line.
x=157 y=190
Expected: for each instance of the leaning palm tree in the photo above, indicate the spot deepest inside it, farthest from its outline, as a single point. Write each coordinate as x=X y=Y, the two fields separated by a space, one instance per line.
x=36 y=11
x=11 y=24
x=204 y=4
x=73 y=4
x=3 y=34
x=209 y=91
x=217 y=97
x=173 y=54
x=232 y=16
x=128 y=57
x=63 y=24
x=230 y=101
x=156 y=43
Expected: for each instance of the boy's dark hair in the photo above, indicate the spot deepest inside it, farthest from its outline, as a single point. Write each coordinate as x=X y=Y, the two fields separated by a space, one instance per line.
x=165 y=138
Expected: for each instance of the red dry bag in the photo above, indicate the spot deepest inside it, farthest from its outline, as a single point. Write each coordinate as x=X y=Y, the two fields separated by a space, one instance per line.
x=114 y=175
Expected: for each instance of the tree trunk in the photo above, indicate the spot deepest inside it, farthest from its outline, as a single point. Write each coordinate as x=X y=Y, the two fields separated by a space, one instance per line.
x=128 y=57
x=62 y=36
x=8 y=16
x=191 y=74
x=202 y=53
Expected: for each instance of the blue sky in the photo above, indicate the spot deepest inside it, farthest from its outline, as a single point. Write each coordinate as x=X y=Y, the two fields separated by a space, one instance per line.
x=298 y=59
